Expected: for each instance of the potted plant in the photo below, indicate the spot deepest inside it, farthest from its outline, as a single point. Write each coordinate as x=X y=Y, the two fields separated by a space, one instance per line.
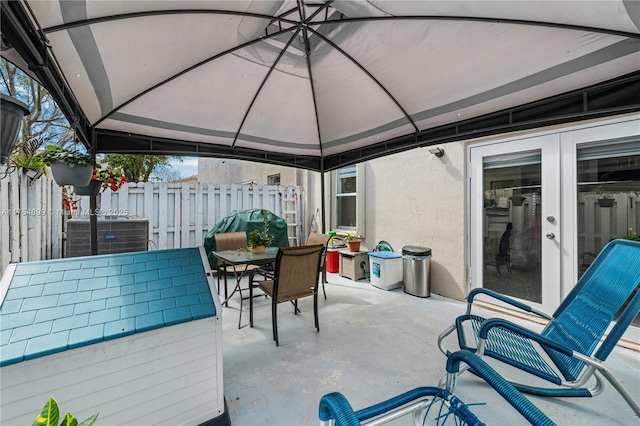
x=13 y=111
x=353 y=241
x=50 y=416
x=68 y=166
x=606 y=200
x=259 y=240
x=32 y=167
x=101 y=180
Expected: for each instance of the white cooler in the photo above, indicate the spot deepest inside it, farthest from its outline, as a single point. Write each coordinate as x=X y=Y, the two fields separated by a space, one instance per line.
x=385 y=269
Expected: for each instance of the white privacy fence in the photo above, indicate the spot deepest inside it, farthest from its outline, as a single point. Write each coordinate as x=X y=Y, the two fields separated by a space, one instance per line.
x=32 y=218
x=181 y=214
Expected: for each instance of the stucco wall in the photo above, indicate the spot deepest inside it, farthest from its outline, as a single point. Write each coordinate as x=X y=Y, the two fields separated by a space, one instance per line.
x=416 y=198
x=412 y=198
x=215 y=170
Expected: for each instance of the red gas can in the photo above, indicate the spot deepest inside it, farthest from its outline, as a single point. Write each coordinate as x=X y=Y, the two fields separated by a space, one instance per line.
x=333 y=260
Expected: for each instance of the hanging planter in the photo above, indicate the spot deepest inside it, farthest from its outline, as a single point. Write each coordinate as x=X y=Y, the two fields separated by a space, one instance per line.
x=68 y=167
x=71 y=174
x=13 y=112
x=606 y=202
x=517 y=200
x=92 y=189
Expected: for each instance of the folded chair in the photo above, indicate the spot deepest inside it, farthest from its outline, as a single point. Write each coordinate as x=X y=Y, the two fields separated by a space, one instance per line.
x=430 y=403
x=569 y=351
x=316 y=238
x=296 y=275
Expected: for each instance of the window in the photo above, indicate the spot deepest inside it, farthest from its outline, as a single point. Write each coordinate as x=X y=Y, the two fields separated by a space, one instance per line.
x=273 y=179
x=348 y=199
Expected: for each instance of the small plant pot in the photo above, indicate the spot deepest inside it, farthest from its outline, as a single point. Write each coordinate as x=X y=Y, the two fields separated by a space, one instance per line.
x=78 y=175
x=259 y=249
x=92 y=189
x=354 y=246
x=606 y=202
x=517 y=200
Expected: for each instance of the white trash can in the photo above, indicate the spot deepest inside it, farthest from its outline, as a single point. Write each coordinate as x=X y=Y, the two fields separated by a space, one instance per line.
x=385 y=269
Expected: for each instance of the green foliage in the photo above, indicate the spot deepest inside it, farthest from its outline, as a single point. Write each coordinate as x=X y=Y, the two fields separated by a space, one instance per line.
x=262 y=237
x=50 y=415
x=137 y=167
x=352 y=236
x=71 y=157
x=45 y=122
x=631 y=235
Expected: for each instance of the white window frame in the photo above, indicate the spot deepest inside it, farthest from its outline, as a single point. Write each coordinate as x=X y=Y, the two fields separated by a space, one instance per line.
x=331 y=187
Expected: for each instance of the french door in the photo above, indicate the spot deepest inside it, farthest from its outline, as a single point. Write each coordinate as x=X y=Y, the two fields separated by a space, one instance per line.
x=543 y=206
x=515 y=219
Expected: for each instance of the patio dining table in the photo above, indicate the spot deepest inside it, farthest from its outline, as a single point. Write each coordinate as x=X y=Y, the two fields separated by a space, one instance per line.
x=240 y=261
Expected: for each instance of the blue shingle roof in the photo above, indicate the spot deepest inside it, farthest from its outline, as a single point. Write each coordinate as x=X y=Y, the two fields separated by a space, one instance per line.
x=61 y=304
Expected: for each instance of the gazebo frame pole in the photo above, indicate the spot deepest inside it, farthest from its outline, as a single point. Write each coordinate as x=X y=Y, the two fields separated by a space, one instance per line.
x=93 y=202
x=324 y=229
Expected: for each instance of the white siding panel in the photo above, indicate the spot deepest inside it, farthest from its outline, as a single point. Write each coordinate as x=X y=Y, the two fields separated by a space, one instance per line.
x=147 y=378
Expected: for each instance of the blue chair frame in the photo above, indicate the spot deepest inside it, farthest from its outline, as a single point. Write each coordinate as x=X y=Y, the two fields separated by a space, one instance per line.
x=335 y=409
x=572 y=339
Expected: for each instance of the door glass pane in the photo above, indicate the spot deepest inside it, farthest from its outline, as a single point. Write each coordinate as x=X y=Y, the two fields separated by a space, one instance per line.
x=512 y=222
x=608 y=199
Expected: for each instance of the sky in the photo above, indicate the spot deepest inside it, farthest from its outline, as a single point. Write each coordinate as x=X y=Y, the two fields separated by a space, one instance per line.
x=187 y=168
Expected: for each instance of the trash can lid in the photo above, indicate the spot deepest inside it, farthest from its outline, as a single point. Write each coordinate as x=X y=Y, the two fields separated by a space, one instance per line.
x=416 y=251
x=385 y=254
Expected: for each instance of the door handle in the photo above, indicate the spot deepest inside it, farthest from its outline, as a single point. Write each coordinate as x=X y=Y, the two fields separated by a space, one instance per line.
x=551 y=235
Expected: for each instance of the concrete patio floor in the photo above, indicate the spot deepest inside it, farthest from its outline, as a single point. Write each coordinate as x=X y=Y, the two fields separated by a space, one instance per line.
x=373 y=345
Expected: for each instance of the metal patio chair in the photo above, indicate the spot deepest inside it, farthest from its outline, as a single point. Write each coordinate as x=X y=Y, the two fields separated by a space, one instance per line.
x=569 y=351
x=316 y=238
x=230 y=241
x=430 y=403
x=296 y=275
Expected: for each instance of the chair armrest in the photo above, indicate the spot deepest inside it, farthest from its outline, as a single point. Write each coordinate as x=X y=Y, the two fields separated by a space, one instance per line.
x=515 y=328
x=335 y=406
x=500 y=384
x=506 y=299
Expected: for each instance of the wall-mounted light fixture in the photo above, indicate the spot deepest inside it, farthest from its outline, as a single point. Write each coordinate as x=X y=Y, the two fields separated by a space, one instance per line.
x=437 y=151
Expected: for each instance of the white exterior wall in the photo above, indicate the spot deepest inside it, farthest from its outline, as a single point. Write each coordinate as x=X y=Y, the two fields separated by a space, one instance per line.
x=411 y=198
x=416 y=198
x=216 y=170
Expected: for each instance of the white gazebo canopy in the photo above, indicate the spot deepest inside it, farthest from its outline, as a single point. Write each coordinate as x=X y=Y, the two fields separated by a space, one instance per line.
x=320 y=84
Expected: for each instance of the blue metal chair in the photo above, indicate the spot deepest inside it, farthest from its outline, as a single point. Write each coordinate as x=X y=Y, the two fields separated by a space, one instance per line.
x=569 y=351
x=430 y=403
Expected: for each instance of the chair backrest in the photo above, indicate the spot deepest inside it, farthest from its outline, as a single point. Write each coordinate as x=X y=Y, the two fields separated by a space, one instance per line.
x=297 y=272
x=316 y=238
x=230 y=240
x=609 y=285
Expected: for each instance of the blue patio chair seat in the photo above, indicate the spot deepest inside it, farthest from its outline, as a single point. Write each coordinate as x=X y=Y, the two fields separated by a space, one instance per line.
x=335 y=407
x=571 y=349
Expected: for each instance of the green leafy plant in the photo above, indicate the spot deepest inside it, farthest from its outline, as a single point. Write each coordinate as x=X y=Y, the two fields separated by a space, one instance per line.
x=262 y=237
x=71 y=157
x=352 y=236
x=29 y=163
x=631 y=235
x=50 y=416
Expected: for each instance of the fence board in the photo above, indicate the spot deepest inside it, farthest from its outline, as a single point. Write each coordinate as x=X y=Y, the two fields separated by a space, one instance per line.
x=180 y=215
